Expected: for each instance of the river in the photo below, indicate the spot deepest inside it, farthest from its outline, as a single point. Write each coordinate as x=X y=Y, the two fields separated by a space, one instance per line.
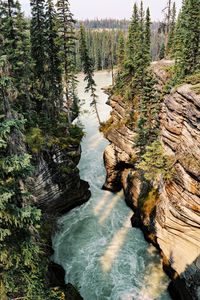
x=103 y=256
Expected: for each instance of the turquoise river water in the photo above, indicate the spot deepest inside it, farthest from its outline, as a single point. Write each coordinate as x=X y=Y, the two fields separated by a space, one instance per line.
x=103 y=256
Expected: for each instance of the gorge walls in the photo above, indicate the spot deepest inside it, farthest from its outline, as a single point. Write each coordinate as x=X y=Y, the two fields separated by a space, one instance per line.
x=168 y=212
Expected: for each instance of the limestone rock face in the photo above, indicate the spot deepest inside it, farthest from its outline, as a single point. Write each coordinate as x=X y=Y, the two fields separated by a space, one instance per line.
x=57 y=186
x=178 y=212
x=176 y=218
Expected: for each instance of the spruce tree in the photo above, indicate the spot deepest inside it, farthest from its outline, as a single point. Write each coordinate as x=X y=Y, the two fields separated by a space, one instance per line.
x=162 y=51
x=66 y=41
x=23 y=75
x=88 y=69
x=120 y=51
x=19 y=219
x=54 y=72
x=170 y=44
x=38 y=53
x=16 y=47
x=38 y=38
x=133 y=42
x=147 y=37
x=187 y=40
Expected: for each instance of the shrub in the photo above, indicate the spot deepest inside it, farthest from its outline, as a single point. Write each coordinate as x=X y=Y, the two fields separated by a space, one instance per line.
x=35 y=139
x=156 y=164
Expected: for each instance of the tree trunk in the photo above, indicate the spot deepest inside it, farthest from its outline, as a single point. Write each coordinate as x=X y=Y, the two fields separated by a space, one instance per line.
x=96 y=111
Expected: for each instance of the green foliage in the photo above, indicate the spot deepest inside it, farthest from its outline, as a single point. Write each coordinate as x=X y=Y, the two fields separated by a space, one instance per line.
x=138 y=57
x=148 y=204
x=171 y=34
x=103 y=47
x=18 y=249
x=31 y=88
x=35 y=140
x=88 y=69
x=67 y=42
x=187 y=42
x=148 y=121
x=162 y=51
x=155 y=164
x=193 y=79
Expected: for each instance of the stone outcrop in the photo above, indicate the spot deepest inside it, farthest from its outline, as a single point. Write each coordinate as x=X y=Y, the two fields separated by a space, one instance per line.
x=178 y=211
x=56 y=185
x=176 y=217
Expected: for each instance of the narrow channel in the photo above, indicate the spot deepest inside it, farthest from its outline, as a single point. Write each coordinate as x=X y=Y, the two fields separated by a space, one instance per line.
x=103 y=256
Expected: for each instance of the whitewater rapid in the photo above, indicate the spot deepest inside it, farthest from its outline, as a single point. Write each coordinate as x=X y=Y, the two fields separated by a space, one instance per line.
x=103 y=256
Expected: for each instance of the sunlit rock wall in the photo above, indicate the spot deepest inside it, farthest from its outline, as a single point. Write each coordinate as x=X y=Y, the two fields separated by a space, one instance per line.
x=176 y=219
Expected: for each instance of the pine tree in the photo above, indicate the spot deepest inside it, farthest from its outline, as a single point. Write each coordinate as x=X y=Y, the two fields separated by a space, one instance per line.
x=88 y=69
x=162 y=51
x=54 y=72
x=167 y=26
x=120 y=51
x=23 y=75
x=17 y=51
x=148 y=123
x=38 y=38
x=67 y=39
x=38 y=53
x=170 y=45
x=8 y=16
x=133 y=42
x=20 y=269
x=187 y=39
x=147 y=37
x=111 y=57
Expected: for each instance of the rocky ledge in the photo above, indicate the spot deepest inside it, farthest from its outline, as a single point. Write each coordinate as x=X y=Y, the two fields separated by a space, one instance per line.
x=174 y=222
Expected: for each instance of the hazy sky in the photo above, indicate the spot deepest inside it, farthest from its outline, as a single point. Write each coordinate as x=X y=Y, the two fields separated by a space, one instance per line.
x=119 y=9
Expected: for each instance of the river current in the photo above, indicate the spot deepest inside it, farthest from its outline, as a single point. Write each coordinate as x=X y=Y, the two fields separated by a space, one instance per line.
x=103 y=256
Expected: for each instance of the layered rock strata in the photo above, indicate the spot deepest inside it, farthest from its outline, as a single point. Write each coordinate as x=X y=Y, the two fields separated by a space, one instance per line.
x=56 y=185
x=174 y=224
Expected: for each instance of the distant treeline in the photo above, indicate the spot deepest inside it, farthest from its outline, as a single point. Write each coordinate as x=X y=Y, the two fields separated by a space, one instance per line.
x=103 y=48
x=103 y=40
x=104 y=24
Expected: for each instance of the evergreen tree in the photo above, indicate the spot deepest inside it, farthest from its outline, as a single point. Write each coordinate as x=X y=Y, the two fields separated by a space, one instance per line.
x=167 y=26
x=147 y=37
x=17 y=51
x=19 y=220
x=187 y=39
x=88 y=69
x=38 y=53
x=111 y=58
x=38 y=38
x=162 y=51
x=67 y=39
x=170 y=45
x=121 y=51
x=54 y=72
x=133 y=42
x=148 y=123
x=23 y=75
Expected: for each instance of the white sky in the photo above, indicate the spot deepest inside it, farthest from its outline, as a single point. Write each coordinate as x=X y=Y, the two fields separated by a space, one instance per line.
x=118 y=9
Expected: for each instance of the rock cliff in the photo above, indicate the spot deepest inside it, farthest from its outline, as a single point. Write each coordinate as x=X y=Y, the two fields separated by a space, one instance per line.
x=56 y=184
x=174 y=222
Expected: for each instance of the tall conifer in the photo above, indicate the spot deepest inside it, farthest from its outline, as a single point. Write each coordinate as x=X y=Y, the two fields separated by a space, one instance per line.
x=187 y=39
x=67 y=39
x=88 y=69
x=54 y=72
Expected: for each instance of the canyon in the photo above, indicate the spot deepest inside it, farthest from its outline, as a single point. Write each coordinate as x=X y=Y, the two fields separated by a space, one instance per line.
x=173 y=222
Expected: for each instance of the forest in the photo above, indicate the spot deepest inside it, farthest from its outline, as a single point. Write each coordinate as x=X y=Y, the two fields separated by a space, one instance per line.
x=39 y=63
